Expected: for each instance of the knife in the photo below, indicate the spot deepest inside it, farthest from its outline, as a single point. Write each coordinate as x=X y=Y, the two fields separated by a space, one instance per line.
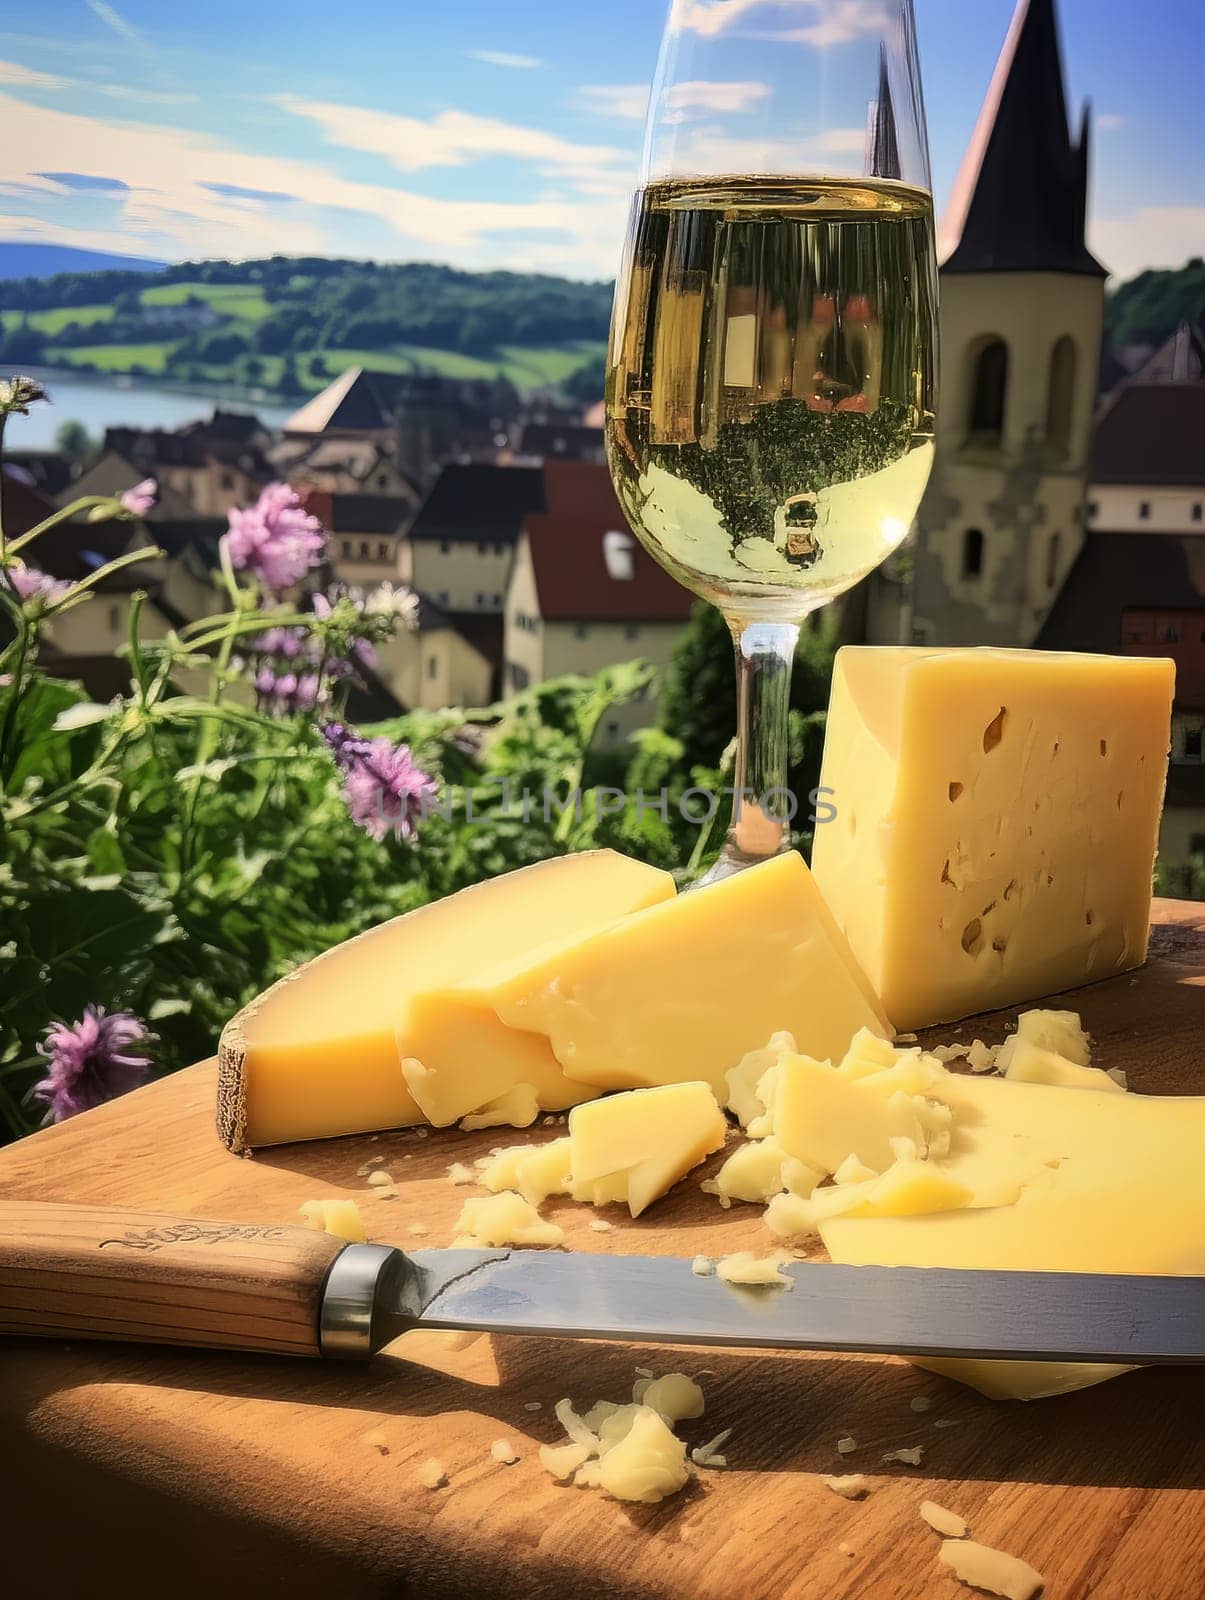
x=81 y=1272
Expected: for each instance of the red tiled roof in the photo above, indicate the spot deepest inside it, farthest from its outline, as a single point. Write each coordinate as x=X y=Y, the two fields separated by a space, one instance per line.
x=566 y=541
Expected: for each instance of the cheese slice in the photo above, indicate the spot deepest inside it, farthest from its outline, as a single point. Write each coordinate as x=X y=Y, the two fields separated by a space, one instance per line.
x=685 y=989
x=1082 y=1181
x=823 y=1117
x=320 y=1053
x=1029 y=1063
x=652 y=1137
x=997 y=819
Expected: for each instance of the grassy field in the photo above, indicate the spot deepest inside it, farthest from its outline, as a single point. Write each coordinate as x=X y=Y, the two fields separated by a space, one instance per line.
x=51 y=321
x=241 y=300
x=112 y=357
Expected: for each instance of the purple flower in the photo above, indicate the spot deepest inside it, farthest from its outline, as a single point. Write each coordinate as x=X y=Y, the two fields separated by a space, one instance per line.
x=384 y=789
x=345 y=743
x=364 y=653
x=34 y=587
x=91 y=1061
x=276 y=539
x=265 y=681
x=305 y=696
x=141 y=498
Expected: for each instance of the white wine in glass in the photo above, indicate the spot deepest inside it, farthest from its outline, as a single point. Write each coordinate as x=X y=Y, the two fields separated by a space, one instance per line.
x=772 y=368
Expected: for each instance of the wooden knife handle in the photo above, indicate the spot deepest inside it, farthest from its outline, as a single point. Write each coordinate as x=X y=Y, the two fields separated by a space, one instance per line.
x=92 y=1272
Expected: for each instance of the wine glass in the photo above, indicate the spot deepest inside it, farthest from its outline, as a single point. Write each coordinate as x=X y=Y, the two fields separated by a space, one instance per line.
x=771 y=376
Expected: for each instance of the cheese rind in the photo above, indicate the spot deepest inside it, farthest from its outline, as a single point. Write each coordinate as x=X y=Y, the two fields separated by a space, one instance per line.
x=319 y=1054
x=997 y=821
x=683 y=990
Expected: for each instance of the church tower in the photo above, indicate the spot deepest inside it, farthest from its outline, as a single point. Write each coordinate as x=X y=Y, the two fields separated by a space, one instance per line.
x=1020 y=328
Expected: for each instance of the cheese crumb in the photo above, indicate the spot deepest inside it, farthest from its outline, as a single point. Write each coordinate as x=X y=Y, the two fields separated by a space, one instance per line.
x=748 y=1270
x=431 y=1474
x=847 y=1445
x=1118 y=1076
x=847 y=1549
x=982 y=1057
x=563 y=1460
x=948 y=1523
x=366 y=1167
x=920 y=1402
x=339 y=1217
x=911 y=1457
x=851 y=1487
x=517 y=1108
x=852 y=1170
x=703 y=1267
x=504 y=1452
x=946 y=1422
x=380 y=1180
x=504 y=1218
x=533 y=1405
x=418 y=1228
x=459 y=1173
x=600 y=1225
x=707 y=1455
x=746 y=1099
x=981 y=1567
x=377 y=1441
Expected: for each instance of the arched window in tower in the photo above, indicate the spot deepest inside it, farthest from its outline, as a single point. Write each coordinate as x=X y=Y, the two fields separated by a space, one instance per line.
x=1052 y=560
x=1060 y=398
x=972 y=553
x=989 y=380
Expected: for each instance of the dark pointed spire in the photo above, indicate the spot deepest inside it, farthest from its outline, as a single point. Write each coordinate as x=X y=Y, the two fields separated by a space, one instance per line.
x=884 y=142
x=1020 y=201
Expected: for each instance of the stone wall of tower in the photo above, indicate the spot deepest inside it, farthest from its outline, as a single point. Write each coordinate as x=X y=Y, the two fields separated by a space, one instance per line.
x=1002 y=520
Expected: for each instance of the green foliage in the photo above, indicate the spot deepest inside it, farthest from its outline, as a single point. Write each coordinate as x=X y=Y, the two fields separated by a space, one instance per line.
x=74 y=440
x=533 y=329
x=1149 y=308
x=1182 y=882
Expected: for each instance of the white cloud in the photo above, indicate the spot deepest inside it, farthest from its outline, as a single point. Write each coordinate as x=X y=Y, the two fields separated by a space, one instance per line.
x=843 y=141
x=449 y=139
x=170 y=212
x=837 y=22
x=504 y=58
x=113 y=18
x=627 y=101
x=686 y=99
x=830 y=22
x=711 y=17
x=19 y=77
x=1107 y=121
x=1151 y=236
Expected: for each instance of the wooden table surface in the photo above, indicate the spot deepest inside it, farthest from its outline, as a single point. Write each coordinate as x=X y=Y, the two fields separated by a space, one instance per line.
x=132 y=1468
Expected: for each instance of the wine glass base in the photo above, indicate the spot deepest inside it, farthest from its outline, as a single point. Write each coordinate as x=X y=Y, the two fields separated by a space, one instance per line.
x=731 y=860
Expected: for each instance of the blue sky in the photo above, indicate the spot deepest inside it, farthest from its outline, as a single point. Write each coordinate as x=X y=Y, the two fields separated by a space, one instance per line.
x=490 y=133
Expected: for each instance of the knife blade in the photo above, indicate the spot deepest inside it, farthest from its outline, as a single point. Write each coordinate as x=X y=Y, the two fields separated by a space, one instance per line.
x=93 y=1272
x=931 y=1311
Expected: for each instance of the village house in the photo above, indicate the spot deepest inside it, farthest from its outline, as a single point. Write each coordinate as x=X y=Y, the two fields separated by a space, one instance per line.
x=583 y=594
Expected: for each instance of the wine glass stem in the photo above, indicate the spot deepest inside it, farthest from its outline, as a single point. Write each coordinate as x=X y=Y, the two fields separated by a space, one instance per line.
x=761 y=806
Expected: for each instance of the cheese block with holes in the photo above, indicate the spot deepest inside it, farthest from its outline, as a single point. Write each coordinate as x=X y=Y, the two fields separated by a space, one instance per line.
x=997 y=815
x=322 y=1052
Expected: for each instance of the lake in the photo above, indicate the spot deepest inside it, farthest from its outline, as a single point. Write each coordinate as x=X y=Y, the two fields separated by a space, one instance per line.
x=100 y=402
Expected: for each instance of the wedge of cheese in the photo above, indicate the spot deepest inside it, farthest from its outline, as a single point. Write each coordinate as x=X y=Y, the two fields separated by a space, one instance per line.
x=639 y=1144
x=321 y=1052
x=997 y=818
x=1083 y=1181
x=685 y=989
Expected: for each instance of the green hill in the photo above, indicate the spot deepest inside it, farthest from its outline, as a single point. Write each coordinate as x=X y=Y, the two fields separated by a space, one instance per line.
x=291 y=323
x=1150 y=307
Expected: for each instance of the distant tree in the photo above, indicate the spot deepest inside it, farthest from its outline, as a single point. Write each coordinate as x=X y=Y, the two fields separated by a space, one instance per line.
x=1148 y=308
x=22 y=346
x=253 y=369
x=74 y=440
x=320 y=367
x=288 y=382
x=585 y=383
x=221 y=347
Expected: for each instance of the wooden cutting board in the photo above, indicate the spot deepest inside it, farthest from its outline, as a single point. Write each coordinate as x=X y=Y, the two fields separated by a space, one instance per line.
x=132 y=1468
